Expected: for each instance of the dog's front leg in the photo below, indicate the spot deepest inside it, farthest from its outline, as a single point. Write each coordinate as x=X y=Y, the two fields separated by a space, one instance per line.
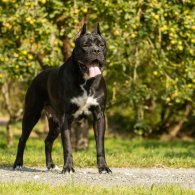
x=67 y=149
x=99 y=131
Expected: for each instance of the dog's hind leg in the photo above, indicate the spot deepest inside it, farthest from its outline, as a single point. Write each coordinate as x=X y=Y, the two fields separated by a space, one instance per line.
x=31 y=116
x=54 y=131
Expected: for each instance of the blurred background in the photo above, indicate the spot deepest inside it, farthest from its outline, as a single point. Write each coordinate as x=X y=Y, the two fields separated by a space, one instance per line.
x=150 y=70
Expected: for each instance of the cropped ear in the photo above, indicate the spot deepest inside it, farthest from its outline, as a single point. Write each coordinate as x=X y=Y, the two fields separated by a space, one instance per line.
x=98 y=29
x=83 y=30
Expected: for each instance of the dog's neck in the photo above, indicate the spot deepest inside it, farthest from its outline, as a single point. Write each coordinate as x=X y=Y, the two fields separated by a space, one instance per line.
x=76 y=71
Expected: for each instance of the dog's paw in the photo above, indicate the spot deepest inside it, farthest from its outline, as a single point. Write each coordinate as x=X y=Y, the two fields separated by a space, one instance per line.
x=51 y=166
x=104 y=170
x=17 y=167
x=18 y=164
x=68 y=169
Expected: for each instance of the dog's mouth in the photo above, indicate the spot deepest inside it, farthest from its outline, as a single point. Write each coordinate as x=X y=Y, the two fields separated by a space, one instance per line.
x=92 y=69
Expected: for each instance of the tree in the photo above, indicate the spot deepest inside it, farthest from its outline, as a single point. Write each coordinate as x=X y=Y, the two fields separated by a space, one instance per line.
x=150 y=67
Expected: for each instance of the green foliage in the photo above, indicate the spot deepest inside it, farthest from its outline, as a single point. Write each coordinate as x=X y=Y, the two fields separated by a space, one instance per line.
x=151 y=49
x=26 y=34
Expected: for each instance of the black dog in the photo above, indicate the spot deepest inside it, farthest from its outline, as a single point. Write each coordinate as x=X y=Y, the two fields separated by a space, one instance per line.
x=71 y=91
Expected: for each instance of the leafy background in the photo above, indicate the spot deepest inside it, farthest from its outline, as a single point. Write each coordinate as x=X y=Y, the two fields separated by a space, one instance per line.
x=150 y=69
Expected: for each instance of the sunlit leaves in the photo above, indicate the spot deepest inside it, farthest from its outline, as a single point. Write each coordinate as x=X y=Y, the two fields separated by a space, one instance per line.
x=151 y=45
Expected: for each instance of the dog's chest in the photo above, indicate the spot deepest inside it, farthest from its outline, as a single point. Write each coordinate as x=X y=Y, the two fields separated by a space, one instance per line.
x=84 y=102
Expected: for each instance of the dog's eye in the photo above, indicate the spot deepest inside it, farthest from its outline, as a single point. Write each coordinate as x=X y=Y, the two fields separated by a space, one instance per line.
x=85 y=45
x=100 y=45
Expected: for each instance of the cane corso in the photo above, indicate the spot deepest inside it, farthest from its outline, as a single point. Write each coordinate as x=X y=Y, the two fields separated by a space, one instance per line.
x=66 y=93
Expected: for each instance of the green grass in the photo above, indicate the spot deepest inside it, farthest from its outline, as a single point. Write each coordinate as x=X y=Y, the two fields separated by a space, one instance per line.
x=120 y=152
x=31 y=189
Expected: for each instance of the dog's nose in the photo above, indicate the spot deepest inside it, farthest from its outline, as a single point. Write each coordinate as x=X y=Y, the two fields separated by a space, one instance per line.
x=96 y=50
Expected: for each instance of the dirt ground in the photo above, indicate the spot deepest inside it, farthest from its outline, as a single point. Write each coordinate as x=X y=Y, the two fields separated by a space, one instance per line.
x=119 y=177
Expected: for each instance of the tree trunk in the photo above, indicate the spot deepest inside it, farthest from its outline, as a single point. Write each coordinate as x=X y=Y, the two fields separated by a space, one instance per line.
x=173 y=132
x=5 y=93
x=79 y=135
x=13 y=115
x=66 y=48
x=9 y=133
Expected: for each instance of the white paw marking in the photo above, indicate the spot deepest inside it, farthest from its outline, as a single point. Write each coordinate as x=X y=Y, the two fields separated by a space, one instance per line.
x=18 y=167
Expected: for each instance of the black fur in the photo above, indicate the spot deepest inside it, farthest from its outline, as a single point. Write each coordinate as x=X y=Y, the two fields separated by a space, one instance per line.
x=53 y=90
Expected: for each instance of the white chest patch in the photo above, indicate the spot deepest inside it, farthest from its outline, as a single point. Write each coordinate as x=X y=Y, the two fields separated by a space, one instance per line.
x=84 y=102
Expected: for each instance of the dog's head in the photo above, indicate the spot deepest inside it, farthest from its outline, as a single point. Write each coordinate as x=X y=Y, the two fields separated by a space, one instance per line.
x=90 y=52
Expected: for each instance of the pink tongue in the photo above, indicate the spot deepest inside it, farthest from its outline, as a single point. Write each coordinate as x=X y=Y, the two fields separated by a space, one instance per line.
x=94 y=71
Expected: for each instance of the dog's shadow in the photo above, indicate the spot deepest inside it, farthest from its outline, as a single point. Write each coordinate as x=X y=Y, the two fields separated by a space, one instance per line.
x=43 y=170
x=24 y=169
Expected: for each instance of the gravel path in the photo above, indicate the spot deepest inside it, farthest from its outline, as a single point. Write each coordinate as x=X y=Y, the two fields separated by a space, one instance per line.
x=90 y=176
